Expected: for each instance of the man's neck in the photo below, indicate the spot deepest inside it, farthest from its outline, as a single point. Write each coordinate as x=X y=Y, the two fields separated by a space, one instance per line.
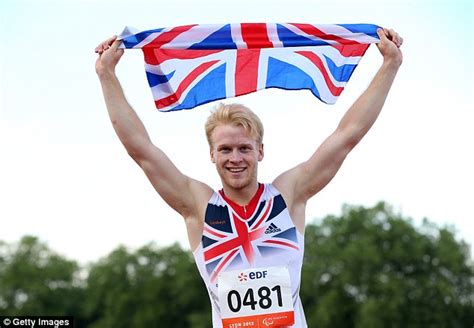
x=241 y=196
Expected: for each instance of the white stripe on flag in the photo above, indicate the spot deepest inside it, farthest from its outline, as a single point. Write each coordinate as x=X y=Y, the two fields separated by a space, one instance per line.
x=236 y=31
x=263 y=67
x=231 y=62
x=273 y=35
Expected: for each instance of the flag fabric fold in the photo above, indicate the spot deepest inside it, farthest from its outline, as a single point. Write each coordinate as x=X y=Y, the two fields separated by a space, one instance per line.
x=190 y=65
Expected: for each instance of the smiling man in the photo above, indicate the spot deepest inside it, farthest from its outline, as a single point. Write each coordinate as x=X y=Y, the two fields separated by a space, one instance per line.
x=248 y=238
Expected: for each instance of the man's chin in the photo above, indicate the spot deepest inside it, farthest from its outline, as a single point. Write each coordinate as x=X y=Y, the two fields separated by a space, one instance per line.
x=237 y=183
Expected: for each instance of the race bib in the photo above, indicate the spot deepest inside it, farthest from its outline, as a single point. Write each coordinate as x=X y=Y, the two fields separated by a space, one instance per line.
x=256 y=298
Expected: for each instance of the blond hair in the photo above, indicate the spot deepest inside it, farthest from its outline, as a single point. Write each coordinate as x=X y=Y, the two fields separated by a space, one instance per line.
x=235 y=115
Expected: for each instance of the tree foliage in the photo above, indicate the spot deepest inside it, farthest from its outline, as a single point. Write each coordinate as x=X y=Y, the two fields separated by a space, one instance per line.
x=149 y=288
x=372 y=268
x=368 y=267
x=37 y=281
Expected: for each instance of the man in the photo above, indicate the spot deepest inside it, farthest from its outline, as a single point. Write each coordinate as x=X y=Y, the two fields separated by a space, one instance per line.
x=247 y=225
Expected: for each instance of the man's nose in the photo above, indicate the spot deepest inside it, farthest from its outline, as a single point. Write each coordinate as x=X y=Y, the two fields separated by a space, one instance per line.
x=236 y=156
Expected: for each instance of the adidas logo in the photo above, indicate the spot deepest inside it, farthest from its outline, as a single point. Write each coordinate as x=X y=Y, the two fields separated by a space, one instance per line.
x=272 y=228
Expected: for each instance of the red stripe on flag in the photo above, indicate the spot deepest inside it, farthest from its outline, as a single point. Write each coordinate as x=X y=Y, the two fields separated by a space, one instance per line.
x=256 y=234
x=166 y=37
x=171 y=99
x=218 y=250
x=281 y=243
x=221 y=265
x=154 y=56
x=243 y=239
x=212 y=232
x=255 y=35
x=336 y=91
x=351 y=50
x=246 y=71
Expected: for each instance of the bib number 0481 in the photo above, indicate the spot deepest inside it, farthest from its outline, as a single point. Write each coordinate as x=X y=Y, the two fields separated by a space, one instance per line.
x=262 y=298
x=255 y=297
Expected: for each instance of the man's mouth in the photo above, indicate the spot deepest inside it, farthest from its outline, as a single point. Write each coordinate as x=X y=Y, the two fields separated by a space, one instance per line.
x=236 y=169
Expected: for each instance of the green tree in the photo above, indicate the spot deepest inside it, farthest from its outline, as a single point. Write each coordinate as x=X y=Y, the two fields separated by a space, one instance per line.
x=34 y=280
x=371 y=267
x=148 y=288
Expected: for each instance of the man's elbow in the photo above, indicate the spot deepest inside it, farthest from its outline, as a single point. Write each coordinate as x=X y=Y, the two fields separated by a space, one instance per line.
x=351 y=136
x=137 y=151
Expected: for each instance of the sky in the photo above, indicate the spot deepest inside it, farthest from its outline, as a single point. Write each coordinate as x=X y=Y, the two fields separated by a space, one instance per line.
x=65 y=178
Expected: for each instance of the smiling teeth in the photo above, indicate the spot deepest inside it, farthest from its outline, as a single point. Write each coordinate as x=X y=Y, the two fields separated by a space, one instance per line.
x=236 y=170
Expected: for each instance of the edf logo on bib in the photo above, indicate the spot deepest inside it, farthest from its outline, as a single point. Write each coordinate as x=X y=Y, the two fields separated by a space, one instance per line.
x=254 y=275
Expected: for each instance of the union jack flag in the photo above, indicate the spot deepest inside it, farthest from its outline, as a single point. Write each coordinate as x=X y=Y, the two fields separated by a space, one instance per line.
x=190 y=65
x=235 y=237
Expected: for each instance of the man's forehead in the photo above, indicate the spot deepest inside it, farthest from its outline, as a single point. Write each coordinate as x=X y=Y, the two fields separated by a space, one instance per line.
x=233 y=140
x=229 y=132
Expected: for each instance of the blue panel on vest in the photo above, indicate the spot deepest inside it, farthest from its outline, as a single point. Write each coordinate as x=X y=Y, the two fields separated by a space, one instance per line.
x=267 y=251
x=207 y=241
x=278 y=206
x=259 y=210
x=289 y=234
x=218 y=217
x=211 y=266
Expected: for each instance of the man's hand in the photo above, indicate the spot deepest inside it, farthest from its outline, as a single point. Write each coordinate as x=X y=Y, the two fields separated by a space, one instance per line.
x=389 y=46
x=109 y=56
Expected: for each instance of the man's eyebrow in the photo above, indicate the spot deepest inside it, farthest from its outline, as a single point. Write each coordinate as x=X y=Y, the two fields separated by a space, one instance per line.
x=226 y=145
x=222 y=146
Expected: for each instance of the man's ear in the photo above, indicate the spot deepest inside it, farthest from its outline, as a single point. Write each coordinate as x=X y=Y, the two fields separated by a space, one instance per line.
x=211 y=151
x=260 y=152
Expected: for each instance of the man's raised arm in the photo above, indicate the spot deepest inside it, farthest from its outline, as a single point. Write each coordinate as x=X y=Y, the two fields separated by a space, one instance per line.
x=308 y=178
x=180 y=192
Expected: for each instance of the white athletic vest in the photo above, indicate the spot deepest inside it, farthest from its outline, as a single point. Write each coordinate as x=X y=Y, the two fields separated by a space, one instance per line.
x=260 y=234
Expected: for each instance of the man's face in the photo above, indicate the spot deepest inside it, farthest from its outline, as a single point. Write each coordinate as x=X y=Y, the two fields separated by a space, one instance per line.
x=236 y=156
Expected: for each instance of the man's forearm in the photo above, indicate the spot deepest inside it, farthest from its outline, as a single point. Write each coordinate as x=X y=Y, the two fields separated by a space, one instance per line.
x=127 y=124
x=363 y=113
